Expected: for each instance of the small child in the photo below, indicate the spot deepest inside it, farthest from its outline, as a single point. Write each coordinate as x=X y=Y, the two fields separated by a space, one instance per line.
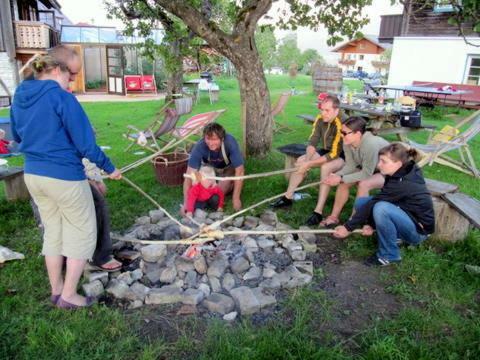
x=204 y=194
x=4 y=144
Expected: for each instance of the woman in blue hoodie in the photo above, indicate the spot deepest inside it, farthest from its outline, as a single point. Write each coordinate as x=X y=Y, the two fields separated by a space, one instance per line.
x=55 y=134
x=402 y=210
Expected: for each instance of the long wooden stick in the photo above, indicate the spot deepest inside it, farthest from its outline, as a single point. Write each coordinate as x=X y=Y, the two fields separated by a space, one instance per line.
x=244 y=177
x=187 y=241
x=136 y=187
x=228 y=218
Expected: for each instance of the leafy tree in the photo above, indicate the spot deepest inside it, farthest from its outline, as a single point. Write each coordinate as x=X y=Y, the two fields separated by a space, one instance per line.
x=288 y=52
x=308 y=58
x=229 y=27
x=267 y=46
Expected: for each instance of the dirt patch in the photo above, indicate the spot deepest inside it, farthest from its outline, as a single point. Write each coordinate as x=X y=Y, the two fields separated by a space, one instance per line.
x=358 y=296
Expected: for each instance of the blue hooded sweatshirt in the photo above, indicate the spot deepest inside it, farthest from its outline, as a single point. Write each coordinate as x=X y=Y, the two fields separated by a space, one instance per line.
x=53 y=132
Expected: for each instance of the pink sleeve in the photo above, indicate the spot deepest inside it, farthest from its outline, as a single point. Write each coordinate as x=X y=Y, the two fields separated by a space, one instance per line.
x=192 y=198
x=221 y=197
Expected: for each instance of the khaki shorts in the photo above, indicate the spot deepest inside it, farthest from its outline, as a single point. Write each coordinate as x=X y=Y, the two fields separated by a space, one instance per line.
x=68 y=215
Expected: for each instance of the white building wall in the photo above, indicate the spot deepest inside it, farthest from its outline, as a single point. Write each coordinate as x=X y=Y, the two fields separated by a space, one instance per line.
x=442 y=59
x=8 y=70
x=365 y=64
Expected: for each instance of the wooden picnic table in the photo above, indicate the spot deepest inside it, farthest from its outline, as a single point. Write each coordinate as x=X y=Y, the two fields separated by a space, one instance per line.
x=380 y=121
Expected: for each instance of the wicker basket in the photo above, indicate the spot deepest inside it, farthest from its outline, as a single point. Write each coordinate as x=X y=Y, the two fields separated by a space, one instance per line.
x=170 y=167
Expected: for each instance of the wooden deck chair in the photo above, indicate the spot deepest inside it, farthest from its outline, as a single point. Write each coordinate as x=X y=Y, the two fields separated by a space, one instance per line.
x=278 y=108
x=152 y=135
x=195 y=124
x=435 y=151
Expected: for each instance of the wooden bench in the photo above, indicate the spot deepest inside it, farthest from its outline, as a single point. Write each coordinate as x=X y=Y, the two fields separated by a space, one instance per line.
x=292 y=152
x=455 y=213
x=15 y=188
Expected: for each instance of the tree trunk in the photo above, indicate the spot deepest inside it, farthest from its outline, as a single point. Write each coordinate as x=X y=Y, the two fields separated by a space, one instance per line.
x=256 y=97
x=175 y=70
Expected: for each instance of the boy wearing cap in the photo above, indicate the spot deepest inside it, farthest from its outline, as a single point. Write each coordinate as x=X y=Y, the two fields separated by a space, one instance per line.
x=327 y=129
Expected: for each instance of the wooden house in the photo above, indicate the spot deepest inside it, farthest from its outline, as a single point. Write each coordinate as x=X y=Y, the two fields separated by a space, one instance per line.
x=27 y=27
x=362 y=54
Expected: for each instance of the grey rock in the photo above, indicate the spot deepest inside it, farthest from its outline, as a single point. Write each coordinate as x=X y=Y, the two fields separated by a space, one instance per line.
x=193 y=296
x=298 y=255
x=200 y=215
x=179 y=283
x=228 y=281
x=251 y=222
x=272 y=283
x=142 y=232
x=118 y=289
x=252 y=274
x=217 y=267
x=204 y=288
x=265 y=243
x=168 y=275
x=154 y=253
x=238 y=221
x=278 y=250
x=239 y=265
x=143 y=220
x=230 y=316
x=293 y=246
x=250 y=243
x=156 y=231
x=249 y=253
x=184 y=264
x=126 y=277
x=246 y=300
x=98 y=275
x=164 y=295
x=217 y=215
x=136 y=274
x=204 y=279
x=172 y=232
x=135 y=304
x=94 y=288
x=153 y=276
x=139 y=291
x=200 y=264
x=191 y=279
x=156 y=215
x=268 y=273
x=147 y=267
x=304 y=266
x=269 y=217
x=263 y=299
x=265 y=227
x=219 y=303
x=215 y=284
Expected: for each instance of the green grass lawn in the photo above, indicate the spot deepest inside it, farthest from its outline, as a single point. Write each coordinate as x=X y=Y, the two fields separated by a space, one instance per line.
x=442 y=322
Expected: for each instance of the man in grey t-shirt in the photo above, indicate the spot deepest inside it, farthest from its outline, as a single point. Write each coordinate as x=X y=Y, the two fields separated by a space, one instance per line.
x=361 y=157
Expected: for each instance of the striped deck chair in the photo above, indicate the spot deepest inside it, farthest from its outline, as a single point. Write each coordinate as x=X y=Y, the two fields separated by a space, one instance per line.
x=436 y=152
x=155 y=131
x=277 y=109
x=195 y=124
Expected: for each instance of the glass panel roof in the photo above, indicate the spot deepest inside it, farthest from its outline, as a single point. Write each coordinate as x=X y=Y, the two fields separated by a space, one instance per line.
x=103 y=35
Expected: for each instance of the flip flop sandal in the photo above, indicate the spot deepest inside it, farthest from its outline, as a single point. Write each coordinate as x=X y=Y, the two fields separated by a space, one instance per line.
x=102 y=268
x=329 y=222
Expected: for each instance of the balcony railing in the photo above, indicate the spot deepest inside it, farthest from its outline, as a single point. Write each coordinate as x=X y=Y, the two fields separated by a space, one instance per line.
x=379 y=64
x=347 y=62
x=35 y=35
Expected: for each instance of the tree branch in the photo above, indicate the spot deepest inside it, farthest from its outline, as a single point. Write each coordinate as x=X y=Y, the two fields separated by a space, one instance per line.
x=250 y=15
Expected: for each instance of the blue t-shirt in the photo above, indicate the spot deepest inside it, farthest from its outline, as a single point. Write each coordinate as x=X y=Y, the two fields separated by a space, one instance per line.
x=201 y=154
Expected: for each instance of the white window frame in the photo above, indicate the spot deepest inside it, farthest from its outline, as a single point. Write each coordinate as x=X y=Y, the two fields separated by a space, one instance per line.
x=468 y=67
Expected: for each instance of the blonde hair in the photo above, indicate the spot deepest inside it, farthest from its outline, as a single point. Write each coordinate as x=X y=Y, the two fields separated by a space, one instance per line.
x=45 y=64
x=206 y=171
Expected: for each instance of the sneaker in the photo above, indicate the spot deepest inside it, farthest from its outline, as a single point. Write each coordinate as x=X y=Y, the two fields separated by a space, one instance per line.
x=314 y=219
x=374 y=260
x=282 y=202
